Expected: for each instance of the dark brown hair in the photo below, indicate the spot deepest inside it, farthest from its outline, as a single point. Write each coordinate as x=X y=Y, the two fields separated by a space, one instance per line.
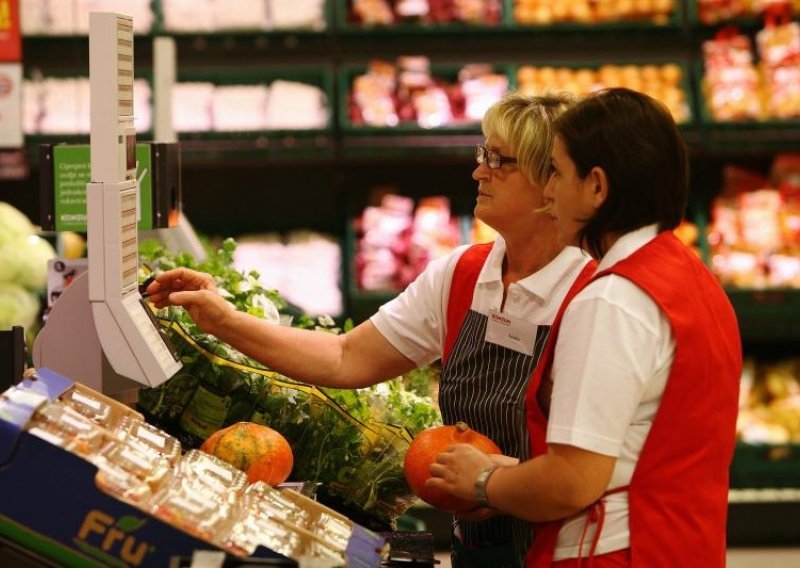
x=634 y=139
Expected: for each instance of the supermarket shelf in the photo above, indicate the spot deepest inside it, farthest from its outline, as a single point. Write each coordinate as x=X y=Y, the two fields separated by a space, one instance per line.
x=768 y=314
x=774 y=523
x=250 y=147
x=269 y=44
x=752 y=136
x=763 y=471
x=742 y=496
x=506 y=23
x=743 y=136
x=744 y=23
x=158 y=28
x=412 y=144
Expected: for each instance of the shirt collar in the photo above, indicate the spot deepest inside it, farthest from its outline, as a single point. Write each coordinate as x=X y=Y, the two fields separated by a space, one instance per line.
x=626 y=245
x=540 y=283
x=492 y=270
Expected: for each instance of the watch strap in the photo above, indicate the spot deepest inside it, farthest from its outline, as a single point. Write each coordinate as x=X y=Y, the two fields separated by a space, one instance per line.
x=480 y=485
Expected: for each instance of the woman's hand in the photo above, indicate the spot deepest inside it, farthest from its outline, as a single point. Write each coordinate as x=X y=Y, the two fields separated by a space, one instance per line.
x=195 y=291
x=483 y=513
x=456 y=470
x=503 y=461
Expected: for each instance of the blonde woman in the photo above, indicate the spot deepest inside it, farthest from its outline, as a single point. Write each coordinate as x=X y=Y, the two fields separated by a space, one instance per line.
x=485 y=310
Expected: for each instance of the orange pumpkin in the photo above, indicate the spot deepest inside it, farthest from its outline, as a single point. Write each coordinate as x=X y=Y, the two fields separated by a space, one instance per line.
x=422 y=453
x=261 y=452
x=271 y=468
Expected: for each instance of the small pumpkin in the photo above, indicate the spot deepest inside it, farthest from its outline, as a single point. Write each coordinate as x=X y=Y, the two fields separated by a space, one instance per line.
x=261 y=452
x=422 y=453
x=270 y=468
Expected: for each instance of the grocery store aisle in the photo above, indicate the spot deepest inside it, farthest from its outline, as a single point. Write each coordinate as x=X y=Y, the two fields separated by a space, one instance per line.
x=737 y=558
x=763 y=557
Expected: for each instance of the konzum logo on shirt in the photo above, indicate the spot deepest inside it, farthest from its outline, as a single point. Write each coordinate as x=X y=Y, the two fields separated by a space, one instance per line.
x=501 y=319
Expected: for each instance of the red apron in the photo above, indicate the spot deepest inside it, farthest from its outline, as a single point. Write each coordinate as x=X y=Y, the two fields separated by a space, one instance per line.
x=462 y=288
x=678 y=495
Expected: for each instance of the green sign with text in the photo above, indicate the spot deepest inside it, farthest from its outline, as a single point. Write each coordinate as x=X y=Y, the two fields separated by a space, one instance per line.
x=71 y=173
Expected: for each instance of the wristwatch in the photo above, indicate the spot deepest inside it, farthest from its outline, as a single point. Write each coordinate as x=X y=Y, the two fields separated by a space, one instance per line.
x=480 y=485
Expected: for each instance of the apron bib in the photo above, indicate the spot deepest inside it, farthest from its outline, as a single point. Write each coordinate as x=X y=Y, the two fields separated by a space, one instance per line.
x=484 y=385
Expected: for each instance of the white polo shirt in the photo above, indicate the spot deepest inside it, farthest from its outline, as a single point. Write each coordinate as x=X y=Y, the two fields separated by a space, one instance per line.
x=613 y=357
x=415 y=322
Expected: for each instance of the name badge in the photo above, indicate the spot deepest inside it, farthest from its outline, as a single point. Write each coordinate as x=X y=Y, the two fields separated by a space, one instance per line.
x=513 y=333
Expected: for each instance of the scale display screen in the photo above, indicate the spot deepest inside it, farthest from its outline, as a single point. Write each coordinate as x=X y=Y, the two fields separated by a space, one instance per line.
x=159 y=329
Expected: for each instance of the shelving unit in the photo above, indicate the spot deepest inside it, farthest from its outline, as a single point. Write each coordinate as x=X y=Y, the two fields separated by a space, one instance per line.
x=332 y=56
x=250 y=182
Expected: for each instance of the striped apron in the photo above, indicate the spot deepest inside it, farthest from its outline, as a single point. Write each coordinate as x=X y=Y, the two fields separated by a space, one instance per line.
x=484 y=385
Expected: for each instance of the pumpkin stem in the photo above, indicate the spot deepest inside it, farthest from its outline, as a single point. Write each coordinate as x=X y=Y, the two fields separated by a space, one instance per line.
x=461 y=426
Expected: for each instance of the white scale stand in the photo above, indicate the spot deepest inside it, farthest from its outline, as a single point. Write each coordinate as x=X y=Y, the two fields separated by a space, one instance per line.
x=99 y=331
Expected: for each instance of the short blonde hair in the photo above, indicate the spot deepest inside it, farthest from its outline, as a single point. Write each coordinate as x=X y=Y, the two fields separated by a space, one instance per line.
x=525 y=126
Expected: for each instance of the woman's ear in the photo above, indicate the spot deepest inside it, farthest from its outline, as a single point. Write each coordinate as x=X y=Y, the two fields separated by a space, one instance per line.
x=598 y=186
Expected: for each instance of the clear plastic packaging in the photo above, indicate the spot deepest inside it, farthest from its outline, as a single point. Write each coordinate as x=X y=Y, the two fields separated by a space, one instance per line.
x=138 y=460
x=319 y=519
x=194 y=508
x=122 y=484
x=321 y=532
x=261 y=497
x=255 y=528
x=141 y=433
x=80 y=435
x=212 y=472
x=88 y=405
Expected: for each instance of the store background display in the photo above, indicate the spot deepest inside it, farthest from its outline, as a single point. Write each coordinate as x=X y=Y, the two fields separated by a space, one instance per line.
x=321 y=178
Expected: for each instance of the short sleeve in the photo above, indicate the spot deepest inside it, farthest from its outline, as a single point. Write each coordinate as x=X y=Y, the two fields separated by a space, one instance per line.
x=613 y=355
x=414 y=322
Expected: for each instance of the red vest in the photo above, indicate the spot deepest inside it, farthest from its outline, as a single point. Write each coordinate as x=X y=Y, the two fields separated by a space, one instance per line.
x=678 y=495
x=462 y=287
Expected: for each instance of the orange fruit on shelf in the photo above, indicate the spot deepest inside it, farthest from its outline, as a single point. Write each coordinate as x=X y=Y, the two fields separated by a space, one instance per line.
x=422 y=453
x=273 y=468
x=261 y=452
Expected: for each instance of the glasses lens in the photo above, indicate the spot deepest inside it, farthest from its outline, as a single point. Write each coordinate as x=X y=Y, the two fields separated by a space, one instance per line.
x=493 y=159
x=480 y=154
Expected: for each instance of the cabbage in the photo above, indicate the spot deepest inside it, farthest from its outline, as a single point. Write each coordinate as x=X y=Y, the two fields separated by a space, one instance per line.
x=13 y=224
x=17 y=306
x=24 y=261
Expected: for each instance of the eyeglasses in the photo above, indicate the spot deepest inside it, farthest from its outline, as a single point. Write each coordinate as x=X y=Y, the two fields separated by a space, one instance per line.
x=494 y=160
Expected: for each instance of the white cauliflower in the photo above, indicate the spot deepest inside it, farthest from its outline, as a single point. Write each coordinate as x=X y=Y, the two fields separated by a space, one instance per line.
x=17 y=306
x=24 y=261
x=13 y=224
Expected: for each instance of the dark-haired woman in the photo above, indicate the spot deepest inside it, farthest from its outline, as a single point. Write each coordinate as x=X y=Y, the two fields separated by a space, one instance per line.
x=632 y=409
